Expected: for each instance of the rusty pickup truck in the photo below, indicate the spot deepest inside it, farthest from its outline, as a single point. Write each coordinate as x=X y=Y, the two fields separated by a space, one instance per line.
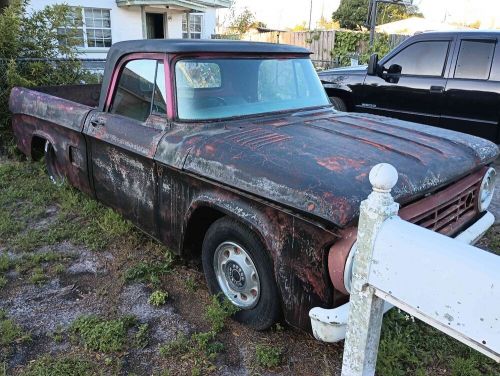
x=230 y=152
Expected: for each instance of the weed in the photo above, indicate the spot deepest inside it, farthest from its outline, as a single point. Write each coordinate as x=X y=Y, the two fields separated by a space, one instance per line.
x=38 y=276
x=141 y=339
x=191 y=284
x=180 y=345
x=148 y=271
x=59 y=269
x=10 y=332
x=158 y=298
x=103 y=335
x=63 y=366
x=218 y=311
x=268 y=356
x=57 y=335
x=5 y=263
x=3 y=282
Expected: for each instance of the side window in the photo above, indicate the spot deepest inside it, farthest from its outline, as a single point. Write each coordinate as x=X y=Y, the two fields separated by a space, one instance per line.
x=422 y=58
x=474 y=59
x=140 y=90
x=495 y=67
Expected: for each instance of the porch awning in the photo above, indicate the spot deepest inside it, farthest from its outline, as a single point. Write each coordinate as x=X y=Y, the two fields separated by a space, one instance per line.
x=197 y=5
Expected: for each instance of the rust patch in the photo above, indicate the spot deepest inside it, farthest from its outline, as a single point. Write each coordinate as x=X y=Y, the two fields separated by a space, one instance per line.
x=339 y=164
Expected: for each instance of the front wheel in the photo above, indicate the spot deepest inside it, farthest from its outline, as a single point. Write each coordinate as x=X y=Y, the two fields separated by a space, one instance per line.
x=236 y=264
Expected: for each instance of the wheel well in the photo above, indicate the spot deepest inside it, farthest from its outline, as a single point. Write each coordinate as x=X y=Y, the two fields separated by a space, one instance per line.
x=345 y=96
x=37 y=148
x=197 y=227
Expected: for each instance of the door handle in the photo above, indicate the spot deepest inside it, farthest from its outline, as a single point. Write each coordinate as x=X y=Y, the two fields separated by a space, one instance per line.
x=97 y=122
x=437 y=89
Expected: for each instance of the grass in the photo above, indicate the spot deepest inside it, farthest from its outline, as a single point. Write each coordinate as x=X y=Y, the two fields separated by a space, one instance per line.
x=26 y=195
x=411 y=347
x=60 y=366
x=218 y=311
x=102 y=335
x=268 y=356
x=149 y=272
x=10 y=332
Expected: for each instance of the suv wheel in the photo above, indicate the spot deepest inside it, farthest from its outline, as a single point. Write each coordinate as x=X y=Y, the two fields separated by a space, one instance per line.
x=236 y=264
x=338 y=104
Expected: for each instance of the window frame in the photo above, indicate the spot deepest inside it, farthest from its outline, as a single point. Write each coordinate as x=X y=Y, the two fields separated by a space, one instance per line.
x=493 y=41
x=189 y=33
x=113 y=86
x=80 y=12
x=445 y=64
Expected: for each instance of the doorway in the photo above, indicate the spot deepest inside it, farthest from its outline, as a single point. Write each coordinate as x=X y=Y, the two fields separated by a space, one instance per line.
x=155 y=25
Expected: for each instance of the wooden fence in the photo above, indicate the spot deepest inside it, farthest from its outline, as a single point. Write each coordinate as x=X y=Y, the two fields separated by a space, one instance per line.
x=320 y=43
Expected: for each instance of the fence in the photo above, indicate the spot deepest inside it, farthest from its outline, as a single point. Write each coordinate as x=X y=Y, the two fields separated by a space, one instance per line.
x=320 y=43
x=443 y=281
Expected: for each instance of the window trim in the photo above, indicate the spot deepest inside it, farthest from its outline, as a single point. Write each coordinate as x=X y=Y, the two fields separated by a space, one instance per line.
x=459 y=46
x=113 y=86
x=202 y=23
x=446 y=59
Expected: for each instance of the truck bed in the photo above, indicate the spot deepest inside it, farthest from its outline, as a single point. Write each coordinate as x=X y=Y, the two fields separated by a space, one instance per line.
x=83 y=94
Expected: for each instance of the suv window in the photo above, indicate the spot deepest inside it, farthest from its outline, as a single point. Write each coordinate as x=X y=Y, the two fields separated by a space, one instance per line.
x=140 y=90
x=474 y=59
x=421 y=58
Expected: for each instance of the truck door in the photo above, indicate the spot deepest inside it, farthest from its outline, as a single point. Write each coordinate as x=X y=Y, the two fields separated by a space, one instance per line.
x=472 y=96
x=414 y=91
x=124 y=137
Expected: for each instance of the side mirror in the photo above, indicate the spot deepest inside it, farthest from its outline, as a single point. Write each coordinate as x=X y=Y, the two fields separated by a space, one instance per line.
x=395 y=69
x=373 y=65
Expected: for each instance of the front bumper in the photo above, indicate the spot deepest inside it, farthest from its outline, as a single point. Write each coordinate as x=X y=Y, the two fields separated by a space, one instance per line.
x=329 y=325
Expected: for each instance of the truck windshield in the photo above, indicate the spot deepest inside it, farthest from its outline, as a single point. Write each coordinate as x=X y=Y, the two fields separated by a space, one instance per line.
x=222 y=88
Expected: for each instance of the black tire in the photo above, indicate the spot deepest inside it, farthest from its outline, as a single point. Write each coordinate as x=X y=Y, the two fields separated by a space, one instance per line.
x=338 y=104
x=54 y=168
x=267 y=309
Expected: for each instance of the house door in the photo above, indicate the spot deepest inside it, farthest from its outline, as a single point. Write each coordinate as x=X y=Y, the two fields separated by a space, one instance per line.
x=155 y=25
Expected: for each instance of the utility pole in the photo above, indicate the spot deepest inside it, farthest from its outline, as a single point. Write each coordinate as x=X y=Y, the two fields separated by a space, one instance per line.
x=373 y=20
x=310 y=14
x=372 y=14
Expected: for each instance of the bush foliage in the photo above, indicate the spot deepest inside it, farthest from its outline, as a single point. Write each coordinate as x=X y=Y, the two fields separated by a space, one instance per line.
x=34 y=52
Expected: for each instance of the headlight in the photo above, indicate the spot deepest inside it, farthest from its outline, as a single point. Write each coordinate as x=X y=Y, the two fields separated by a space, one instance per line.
x=486 y=189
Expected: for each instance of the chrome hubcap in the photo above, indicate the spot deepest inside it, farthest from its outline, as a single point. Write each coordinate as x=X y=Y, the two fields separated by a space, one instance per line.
x=237 y=275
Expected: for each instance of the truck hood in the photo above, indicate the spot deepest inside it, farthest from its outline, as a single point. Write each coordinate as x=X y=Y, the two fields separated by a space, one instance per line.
x=360 y=69
x=318 y=162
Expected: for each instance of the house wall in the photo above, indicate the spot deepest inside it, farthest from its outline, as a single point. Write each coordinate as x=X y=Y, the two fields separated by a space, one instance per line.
x=126 y=22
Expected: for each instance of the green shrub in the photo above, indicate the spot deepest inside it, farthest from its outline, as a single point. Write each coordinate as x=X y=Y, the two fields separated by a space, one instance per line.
x=31 y=52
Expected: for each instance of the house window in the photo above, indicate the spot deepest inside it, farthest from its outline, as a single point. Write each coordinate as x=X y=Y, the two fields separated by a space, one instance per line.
x=195 y=23
x=93 y=27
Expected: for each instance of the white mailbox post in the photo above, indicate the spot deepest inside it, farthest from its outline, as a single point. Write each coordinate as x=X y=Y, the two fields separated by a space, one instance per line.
x=445 y=282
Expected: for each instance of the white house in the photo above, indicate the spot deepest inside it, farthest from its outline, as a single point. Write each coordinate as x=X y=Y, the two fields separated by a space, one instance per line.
x=104 y=22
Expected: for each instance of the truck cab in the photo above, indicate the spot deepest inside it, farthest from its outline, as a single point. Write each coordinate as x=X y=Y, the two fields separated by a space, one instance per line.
x=446 y=79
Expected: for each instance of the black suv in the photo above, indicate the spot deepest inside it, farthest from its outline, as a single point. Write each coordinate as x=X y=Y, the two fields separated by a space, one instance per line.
x=446 y=79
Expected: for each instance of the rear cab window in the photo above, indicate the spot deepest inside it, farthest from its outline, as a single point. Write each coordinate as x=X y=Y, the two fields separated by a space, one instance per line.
x=140 y=90
x=474 y=59
x=426 y=58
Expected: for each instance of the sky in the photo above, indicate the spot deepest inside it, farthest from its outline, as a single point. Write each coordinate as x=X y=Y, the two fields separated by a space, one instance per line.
x=282 y=14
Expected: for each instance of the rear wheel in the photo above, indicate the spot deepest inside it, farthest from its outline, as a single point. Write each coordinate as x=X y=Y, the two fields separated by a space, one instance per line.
x=338 y=104
x=54 y=168
x=237 y=267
